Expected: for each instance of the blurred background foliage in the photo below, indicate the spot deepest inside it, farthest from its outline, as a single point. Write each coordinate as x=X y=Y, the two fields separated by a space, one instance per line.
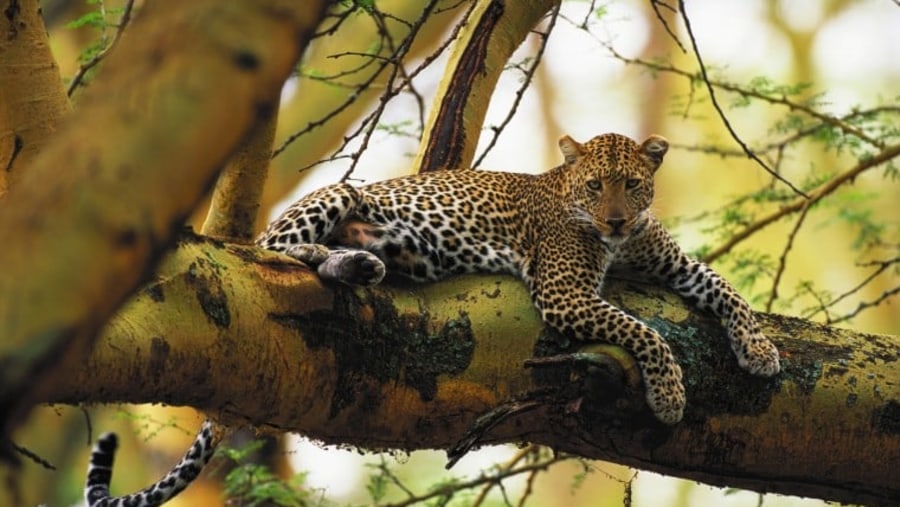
x=810 y=86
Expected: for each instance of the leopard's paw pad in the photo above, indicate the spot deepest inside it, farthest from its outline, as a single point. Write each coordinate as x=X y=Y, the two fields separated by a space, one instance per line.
x=353 y=267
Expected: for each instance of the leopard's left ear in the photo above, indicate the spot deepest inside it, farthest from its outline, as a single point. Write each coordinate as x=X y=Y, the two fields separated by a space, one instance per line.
x=653 y=149
x=570 y=148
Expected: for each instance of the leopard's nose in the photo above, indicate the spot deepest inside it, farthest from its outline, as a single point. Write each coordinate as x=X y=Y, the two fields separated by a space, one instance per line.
x=616 y=224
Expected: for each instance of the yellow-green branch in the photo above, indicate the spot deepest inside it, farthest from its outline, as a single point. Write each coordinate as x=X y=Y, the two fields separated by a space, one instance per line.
x=90 y=217
x=251 y=337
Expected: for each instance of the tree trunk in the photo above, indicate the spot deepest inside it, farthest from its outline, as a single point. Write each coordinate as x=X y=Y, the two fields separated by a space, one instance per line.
x=111 y=190
x=251 y=337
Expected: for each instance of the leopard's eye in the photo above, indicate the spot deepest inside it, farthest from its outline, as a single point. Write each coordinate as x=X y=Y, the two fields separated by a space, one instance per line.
x=594 y=184
x=631 y=183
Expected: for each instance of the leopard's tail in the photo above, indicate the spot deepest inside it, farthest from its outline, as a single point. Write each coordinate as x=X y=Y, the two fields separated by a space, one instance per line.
x=99 y=474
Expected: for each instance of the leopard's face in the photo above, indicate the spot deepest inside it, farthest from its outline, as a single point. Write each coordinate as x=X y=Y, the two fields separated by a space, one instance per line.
x=610 y=180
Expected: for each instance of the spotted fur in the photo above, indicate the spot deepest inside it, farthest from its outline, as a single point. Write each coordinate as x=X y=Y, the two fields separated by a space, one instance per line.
x=96 y=491
x=559 y=232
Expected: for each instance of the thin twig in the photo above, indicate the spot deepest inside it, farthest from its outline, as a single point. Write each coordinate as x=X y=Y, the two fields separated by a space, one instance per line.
x=370 y=59
x=629 y=485
x=866 y=304
x=333 y=28
x=478 y=481
x=399 y=53
x=33 y=456
x=881 y=265
x=351 y=98
x=587 y=16
x=793 y=138
x=782 y=260
x=750 y=93
x=656 y=4
x=529 y=488
x=396 y=480
x=392 y=89
x=712 y=95
x=823 y=306
x=85 y=67
x=509 y=465
x=815 y=196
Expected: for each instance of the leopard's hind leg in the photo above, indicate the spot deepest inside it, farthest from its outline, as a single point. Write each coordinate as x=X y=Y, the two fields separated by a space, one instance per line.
x=303 y=229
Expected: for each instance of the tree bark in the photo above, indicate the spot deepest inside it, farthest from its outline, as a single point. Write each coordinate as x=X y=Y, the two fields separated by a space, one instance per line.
x=113 y=187
x=493 y=32
x=235 y=198
x=32 y=98
x=252 y=337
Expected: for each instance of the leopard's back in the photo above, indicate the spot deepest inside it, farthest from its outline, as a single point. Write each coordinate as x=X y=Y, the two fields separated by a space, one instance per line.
x=426 y=226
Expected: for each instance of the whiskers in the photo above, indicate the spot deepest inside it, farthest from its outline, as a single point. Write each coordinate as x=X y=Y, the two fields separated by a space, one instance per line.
x=580 y=216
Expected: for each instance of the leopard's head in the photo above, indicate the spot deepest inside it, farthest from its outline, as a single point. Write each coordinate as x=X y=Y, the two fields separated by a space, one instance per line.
x=610 y=179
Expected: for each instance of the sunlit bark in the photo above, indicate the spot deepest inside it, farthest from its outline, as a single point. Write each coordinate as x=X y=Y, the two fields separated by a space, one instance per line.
x=250 y=337
x=32 y=98
x=93 y=212
x=236 y=196
x=484 y=46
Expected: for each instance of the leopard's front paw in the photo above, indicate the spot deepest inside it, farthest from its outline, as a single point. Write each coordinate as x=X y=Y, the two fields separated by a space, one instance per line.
x=757 y=355
x=353 y=267
x=665 y=393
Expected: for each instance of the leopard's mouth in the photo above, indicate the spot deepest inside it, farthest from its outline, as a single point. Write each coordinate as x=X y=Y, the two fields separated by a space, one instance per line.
x=616 y=231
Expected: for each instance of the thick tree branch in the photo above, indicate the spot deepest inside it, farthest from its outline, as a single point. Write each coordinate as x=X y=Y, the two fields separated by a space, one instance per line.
x=113 y=187
x=251 y=337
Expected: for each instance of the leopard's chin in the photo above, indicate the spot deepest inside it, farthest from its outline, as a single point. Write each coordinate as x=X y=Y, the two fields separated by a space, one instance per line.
x=612 y=239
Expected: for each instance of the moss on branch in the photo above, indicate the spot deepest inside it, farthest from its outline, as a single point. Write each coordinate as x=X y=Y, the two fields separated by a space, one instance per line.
x=413 y=366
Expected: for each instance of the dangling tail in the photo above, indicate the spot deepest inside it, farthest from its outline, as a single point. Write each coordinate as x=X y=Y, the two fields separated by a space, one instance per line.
x=99 y=474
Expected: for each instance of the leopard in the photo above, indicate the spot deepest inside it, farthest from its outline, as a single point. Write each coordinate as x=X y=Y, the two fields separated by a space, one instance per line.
x=560 y=232
x=99 y=475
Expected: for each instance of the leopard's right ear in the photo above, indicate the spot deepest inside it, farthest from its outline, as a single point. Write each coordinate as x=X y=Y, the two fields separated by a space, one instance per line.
x=570 y=148
x=654 y=148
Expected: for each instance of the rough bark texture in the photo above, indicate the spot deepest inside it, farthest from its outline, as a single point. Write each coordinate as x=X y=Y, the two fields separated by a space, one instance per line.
x=494 y=30
x=112 y=203
x=251 y=337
